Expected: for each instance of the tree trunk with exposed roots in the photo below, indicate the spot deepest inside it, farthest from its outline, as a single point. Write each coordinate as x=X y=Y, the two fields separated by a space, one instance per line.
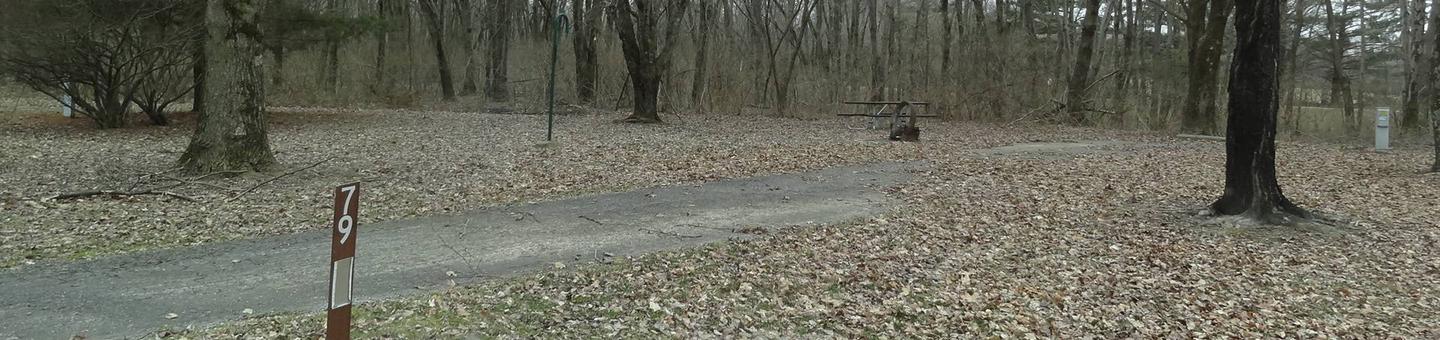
x=232 y=131
x=647 y=36
x=1251 y=188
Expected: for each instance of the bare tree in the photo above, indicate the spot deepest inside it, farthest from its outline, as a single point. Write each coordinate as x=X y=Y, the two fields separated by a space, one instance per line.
x=1337 y=29
x=1292 y=59
x=647 y=30
x=497 y=80
x=586 y=21
x=1080 y=74
x=1251 y=188
x=946 y=37
x=877 y=66
x=779 y=26
x=703 y=27
x=431 y=9
x=232 y=133
x=332 y=53
x=471 y=42
x=1205 y=36
x=1413 y=38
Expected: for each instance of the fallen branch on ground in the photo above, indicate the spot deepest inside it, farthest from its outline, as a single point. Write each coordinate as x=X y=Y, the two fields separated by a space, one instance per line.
x=272 y=179
x=121 y=194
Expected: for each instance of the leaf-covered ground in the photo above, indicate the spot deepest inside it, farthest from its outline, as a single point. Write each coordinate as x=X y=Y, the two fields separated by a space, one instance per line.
x=1106 y=244
x=413 y=163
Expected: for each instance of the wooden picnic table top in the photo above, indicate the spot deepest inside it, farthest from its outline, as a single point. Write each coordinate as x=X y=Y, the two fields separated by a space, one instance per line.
x=883 y=103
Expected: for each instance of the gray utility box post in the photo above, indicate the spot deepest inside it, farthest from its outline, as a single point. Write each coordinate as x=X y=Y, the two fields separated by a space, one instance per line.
x=1382 y=129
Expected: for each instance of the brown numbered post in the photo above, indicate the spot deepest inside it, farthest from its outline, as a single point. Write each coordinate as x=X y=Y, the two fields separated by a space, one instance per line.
x=342 y=261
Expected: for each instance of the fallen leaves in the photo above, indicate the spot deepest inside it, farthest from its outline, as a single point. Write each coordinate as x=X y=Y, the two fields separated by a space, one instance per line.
x=1103 y=242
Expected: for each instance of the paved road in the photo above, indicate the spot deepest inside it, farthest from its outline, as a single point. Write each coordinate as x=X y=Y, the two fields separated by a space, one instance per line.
x=130 y=295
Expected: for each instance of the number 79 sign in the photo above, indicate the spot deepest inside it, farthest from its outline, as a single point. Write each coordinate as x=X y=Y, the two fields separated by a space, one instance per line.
x=342 y=261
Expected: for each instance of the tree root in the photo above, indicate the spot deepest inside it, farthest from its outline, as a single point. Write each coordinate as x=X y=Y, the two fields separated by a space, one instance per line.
x=633 y=119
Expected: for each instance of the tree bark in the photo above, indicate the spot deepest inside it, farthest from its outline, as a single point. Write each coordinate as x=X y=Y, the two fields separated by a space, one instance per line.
x=231 y=135
x=1251 y=188
x=197 y=103
x=497 y=79
x=1080 y=74
x=436 y=24
x=1205 y=33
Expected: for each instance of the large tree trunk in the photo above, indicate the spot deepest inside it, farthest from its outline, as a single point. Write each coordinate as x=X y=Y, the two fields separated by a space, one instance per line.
x=1080 y=74
x=1251 y=188
x=1205 y=33
x=231 y=134
x=497 y=80
x=647 y=38
x=436 y=24
x=586 y=20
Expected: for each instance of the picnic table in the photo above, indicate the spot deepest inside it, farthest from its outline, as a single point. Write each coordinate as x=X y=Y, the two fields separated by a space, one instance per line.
x=901 y=114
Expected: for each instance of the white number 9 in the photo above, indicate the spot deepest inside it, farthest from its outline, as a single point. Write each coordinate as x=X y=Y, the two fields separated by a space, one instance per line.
x=344 y=225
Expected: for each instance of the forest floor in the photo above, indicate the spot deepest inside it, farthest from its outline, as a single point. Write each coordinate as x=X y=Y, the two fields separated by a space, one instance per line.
x=1105 y=244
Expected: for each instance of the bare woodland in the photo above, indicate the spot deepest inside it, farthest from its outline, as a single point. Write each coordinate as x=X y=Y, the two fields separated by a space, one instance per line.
x=1101 y=168
x=1157 y=65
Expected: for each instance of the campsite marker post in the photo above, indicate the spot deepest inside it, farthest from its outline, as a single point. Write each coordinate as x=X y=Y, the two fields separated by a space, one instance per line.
x=342 y=261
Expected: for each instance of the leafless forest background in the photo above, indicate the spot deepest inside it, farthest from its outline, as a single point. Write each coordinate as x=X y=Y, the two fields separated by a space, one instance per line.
x=1157 y=64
